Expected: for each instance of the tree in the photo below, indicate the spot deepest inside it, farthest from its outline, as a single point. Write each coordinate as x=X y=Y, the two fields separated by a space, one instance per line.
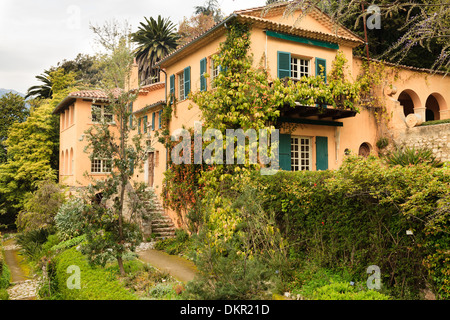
x=194 y=26
x=43 y=91
x=210 y=8
x=410 y=29
x=33 y=147
x=155 y=40
x=12 y=109
x=108 y=217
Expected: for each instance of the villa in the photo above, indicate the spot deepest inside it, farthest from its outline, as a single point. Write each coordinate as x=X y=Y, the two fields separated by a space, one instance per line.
x=311 y=140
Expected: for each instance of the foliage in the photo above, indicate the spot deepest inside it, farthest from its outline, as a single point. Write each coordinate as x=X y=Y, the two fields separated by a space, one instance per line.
x=405 y=156
x=5 y=274
x=181 y=244
x=109 y=224
x=358 y=216
x=31 y=243
x=210 y=8
x=193 y=27
x=33 y=147
x=345 y=291
x=43 y=91
x=68 y=243
x=155 y=38
x=41 y=207
x=96 y=283
x=410 y=31
x=68 y=220
x=432 y=123
x=382 y=143
x=13 y=109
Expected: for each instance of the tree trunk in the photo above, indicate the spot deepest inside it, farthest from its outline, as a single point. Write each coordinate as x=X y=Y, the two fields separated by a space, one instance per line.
x=120 y=263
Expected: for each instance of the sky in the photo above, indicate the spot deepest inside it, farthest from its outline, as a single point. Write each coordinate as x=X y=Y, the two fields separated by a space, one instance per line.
x=37 y=34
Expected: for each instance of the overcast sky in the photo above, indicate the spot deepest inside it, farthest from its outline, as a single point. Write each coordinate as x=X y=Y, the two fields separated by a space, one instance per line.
x=37 y=34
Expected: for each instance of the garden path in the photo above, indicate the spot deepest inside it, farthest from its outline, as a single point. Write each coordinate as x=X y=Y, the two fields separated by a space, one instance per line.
x=180 y=268
x=22 y=286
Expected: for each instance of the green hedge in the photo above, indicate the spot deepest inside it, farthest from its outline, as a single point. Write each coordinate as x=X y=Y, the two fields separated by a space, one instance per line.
x=96 y=283
x=5 y=276
x=359 y=216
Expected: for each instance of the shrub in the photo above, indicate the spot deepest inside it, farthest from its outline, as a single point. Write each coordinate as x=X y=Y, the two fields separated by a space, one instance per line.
x=4 y=294
x=405 y=156
x=178 y=245
x=5 y=273
x=31 y=243
x=96 y=283
x=358 y=216
x=41 y=207
x=69 y=219
x=345 y=291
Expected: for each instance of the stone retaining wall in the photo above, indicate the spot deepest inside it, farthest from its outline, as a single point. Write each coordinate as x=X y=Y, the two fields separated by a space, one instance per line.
x=434 y=137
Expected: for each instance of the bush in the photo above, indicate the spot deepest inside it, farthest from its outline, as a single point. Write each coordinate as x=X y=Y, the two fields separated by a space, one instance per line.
x=69 y=220
x=358 y=216
x=5 y=273
x=96 y=283
x=41 y=207
x=4 y=294
x=31 y=243
x=175 y=246
x=345 y=291
x=405 y=156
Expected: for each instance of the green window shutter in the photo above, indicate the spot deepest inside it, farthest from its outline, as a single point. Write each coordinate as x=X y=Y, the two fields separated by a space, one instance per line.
x=284 y=65
x=130 y=109
x=321 y=68
x=159 y=119
x=187 y=82
x=145 y=124
x=321 y=153
x=139 y=125
x=285 y=152
x=153 y=121
x=203 y=86
x=172 y=86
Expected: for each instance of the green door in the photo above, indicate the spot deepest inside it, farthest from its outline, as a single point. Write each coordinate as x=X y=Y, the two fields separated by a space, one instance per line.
x=321 y=153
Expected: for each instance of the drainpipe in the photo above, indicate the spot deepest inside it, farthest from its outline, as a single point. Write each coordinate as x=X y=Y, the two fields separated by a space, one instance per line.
x=165 y=93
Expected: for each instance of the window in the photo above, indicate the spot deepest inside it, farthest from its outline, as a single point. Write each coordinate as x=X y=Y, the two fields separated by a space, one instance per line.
x=101 y=165
x=181 y=86
x=299 y=68
x=145 y=124
x=301 y=154
x=215 y=70
x=102 y=113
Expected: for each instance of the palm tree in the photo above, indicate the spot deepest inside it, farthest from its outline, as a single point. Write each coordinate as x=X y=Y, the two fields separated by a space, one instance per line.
x=44 y=90
x=155 y=39
x=211 y=7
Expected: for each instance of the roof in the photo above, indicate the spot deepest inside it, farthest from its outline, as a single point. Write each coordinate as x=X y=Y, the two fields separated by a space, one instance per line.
x=280 y=9
x=150 y=107
x=86 y=94
x=257 y=17
x=391 y=64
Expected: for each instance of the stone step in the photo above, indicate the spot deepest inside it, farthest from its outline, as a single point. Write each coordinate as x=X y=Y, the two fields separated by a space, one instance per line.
x=164 y=229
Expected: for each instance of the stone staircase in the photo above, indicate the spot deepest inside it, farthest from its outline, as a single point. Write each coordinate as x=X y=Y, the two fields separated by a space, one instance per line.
x=159 y=225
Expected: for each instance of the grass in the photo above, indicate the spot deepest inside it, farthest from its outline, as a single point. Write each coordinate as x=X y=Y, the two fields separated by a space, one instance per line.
x=147 y=282
x=431 y=123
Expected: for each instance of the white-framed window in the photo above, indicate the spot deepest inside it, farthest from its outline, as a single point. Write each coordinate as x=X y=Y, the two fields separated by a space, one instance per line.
x=181 y=86
x=101 y=165
x=215 y=70
x=102 y=112
x=301 y=153
x=300 y=67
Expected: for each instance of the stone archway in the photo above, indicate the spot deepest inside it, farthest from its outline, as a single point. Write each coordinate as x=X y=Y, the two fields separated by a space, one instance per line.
x=436 y=107
x=410 y=101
